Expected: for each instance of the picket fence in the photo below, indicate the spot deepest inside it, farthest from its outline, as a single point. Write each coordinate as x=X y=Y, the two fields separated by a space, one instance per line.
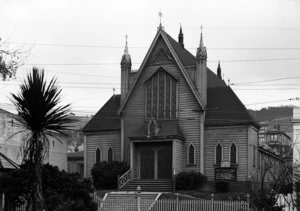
x=171 y=205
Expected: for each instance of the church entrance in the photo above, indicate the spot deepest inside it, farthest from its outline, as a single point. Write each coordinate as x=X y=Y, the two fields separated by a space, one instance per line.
x=155 y=160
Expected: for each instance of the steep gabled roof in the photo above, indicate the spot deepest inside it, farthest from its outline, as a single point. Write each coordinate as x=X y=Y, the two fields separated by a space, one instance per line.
x=225 y=108
x=106 y=119
x=178 y=60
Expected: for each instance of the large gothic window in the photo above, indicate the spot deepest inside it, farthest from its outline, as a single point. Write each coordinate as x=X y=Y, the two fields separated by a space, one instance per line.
x=161 y=92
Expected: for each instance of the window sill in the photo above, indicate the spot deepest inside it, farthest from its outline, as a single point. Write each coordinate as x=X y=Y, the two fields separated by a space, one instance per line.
x=190 y=165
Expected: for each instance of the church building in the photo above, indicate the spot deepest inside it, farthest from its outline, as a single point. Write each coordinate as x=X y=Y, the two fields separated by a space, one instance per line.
x=174 y=114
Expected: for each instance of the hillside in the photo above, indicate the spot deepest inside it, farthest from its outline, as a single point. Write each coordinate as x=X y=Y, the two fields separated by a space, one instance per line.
x=271 y=113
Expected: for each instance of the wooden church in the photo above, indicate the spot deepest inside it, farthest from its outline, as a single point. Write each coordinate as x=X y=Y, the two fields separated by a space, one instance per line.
x=174 y=114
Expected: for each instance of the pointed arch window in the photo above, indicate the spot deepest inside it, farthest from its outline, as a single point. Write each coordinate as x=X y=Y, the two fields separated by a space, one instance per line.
x=161 y=95
x=110 y=154
x=191 y=154
x=218 y=154
x=98 y=155
x=233 y=154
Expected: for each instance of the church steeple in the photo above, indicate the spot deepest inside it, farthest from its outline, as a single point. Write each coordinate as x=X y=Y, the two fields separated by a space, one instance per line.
x=201 y=70
x=180 y=37
x=125 y=70
x=126 y=59
x=219 y=73
x=201 y=50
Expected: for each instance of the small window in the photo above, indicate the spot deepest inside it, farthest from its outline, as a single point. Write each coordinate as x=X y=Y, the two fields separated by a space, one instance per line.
x=191 y=155
x=218 y=154
x=98 y=155
x=110 y=154
x=233 y=154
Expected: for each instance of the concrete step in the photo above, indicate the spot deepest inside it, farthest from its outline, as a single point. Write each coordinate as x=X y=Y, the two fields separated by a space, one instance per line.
x=150 y=185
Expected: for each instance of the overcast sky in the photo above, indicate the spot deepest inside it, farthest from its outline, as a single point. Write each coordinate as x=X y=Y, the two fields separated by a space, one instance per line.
x=81 y=43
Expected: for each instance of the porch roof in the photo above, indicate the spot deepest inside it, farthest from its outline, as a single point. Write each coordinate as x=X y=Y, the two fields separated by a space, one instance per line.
x=167 y=129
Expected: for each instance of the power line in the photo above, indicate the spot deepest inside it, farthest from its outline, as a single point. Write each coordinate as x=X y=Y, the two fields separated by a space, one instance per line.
x=144 y=47
x=114 y=63
x=263 y=81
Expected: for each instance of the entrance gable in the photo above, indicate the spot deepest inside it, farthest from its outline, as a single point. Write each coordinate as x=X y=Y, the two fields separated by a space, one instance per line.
x=161 y=52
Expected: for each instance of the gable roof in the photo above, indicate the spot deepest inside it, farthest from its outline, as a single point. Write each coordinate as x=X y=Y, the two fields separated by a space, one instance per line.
x=225 y=108
x=167 y=129
x=164 y=35
x=106 y=119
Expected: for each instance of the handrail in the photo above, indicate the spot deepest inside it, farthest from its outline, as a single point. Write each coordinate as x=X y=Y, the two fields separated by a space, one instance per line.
x=124 y=179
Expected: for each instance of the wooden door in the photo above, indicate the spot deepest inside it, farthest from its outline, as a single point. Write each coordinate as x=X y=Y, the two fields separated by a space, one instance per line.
x=147 y=164
x=164 y=164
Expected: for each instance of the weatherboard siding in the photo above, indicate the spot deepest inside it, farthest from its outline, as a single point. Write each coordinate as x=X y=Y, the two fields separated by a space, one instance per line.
x=178 y=158
x=226 y=136
x=188 y=120
x=103 y=140
x=253 y=152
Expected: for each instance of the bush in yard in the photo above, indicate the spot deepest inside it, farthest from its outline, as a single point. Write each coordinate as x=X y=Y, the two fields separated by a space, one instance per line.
x=189 y=180
x=222 y=186
x=61 y=191
x=105 y=174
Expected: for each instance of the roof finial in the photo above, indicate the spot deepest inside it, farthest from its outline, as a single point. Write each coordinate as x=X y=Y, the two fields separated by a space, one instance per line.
x=160 y=16
x=201 y=50
x=180 y=37
x=126 y=46
x=114 y=90
x=219 y=71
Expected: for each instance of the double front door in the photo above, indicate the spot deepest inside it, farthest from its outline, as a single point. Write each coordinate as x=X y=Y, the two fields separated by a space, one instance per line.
x=156 y=162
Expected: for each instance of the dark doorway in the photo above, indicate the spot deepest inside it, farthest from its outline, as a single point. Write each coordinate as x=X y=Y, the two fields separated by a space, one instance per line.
x=147 y=164
x=164 y=164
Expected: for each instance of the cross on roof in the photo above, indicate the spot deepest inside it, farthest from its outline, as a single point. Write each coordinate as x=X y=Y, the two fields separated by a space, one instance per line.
x=160 y=15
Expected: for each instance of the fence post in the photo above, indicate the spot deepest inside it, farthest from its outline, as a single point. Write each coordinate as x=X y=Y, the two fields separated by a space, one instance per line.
x=118 y=182
x=177 y=202
x=138 y=192
x=212 y=201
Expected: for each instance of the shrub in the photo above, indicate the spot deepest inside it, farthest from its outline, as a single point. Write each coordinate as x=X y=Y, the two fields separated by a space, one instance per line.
x=222 y=186
x=61 y=191
x=189 y=180
x=105 y=174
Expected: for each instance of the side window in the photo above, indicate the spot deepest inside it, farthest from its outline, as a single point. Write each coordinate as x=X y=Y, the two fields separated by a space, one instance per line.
x=98 y=155
x=191 y=154
x=218 y=154
x=233 y=154
x=110 y=154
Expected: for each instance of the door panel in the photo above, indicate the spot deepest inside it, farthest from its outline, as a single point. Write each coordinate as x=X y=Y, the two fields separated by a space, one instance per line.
x=147 y=164
x=164 y=164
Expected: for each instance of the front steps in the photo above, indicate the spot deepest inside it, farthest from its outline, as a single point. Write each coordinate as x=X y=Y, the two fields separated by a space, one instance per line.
x=149 y=185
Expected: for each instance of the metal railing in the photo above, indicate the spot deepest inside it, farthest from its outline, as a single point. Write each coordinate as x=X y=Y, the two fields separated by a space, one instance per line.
x=124 y=179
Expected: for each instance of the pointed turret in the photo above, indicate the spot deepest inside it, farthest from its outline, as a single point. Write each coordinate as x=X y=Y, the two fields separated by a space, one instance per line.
x=201 y=70
x=201 y=50
x=125 y=70
x=126 y=59
x=219 y=72
x=180 y=37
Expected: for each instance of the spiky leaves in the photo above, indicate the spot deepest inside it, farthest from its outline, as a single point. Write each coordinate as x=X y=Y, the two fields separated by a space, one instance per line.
x=40 y=112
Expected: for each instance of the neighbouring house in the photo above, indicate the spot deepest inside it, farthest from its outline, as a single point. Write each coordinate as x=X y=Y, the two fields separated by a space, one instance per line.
x=296 y=150
x=174 y=114
x=12 y=142
x=76 y=163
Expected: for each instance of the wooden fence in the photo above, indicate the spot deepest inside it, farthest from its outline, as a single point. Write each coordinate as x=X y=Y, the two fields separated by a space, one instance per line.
x=139 y=204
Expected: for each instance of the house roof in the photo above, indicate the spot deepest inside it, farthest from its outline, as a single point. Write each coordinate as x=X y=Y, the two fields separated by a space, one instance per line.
x=106 y=119
x=7 y=163
x=167 y=129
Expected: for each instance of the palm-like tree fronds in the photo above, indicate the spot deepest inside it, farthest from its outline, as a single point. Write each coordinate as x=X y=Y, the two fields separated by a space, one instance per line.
x=40 y=112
